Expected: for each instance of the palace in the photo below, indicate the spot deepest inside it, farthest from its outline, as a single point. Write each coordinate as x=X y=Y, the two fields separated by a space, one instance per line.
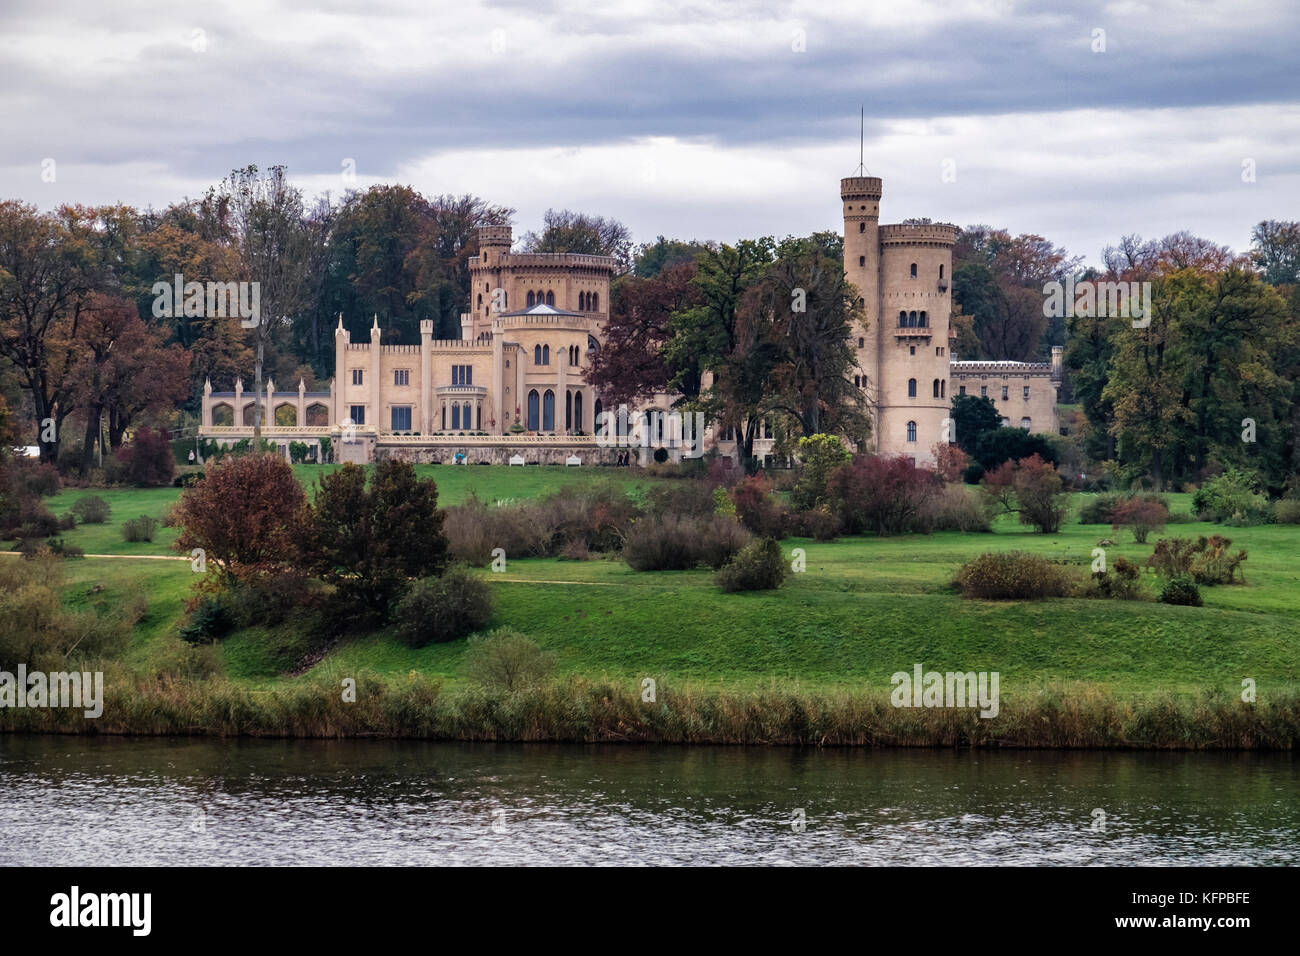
x=513 y=387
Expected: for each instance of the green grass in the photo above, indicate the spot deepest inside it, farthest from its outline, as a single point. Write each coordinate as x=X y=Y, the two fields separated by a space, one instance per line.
x=865 y=608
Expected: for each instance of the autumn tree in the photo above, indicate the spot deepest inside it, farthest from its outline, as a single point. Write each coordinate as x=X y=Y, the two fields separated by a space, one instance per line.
x=567 y=231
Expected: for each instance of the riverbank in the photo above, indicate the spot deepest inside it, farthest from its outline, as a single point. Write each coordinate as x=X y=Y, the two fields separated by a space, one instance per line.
x=576 y=710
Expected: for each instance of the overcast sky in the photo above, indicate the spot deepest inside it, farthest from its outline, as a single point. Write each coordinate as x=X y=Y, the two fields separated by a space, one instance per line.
x=710 y=119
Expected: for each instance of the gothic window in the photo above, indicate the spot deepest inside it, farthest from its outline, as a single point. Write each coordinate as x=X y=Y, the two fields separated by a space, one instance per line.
x=546 y=355
x=862 y=227
x=925 y=320
x=532 y=411
x=550 y=298
x=936 y=388
x=1024 y=423
x=911 y=431
x=568 y=410
x=598 y=410
x=537 y=355
x=595 y=302
x=911 y=388
x=913 y=270
x=862 y=260
x=577 y=412
x=548 y=411
x=532 y=299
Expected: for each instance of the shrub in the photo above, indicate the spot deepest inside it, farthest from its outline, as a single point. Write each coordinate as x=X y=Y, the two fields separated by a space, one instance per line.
x=31 y=548
x=67 y=522
x=1121 y=582
x=992 y=448
x=37 y=478
x=576 y=550
x=370 y=541
x=821 y=524
x=297 y=452
x=249 y=514
x=759 y=566
x=147 y=460
x=506 y=660
x=210 y=619
x=187 y=479
x=674 y=543
x=1231 y=498
x=91 y=510
x=688 y=498
x=973 y=473
x=881 y=494
x=1181 y=590
x=39 y=523
x=139 y=529
x=436 y=610
x=1205 y=560
x=1287 y=511
x=950 y=462
x=953 y=508
x=1013 y=575
x=1099 y=509
x=757 y=508
x=1142 y=515
x=1031 y=489
x=819 y=455
x=723 y=505
x=469 y=538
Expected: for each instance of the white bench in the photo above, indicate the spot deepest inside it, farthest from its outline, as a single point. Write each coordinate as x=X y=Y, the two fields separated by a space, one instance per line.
x=572 y=460
x=516 y=459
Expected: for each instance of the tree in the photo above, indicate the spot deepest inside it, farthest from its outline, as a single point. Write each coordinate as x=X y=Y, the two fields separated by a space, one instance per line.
x=1276 y=251
x=1032 y=490
x=1143 y=515
x=372 y=541
x=880 y=493
x=566 y=231
x=147 y=460
x=972 y=416
x=819 y=456
x=994 y=447
x=650 y=259
x=248 y=514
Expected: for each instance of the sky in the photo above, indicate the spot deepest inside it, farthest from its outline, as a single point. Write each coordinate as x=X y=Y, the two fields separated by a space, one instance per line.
x=705 y=119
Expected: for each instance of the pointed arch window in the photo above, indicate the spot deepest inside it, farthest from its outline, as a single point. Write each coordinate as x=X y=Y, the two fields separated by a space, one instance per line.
x=532 y=299
x=911 y=431
x=911 y=388
x=537 y=355
x=550 y=298
x=548 y=411
x=546 y=355
x=532 y=411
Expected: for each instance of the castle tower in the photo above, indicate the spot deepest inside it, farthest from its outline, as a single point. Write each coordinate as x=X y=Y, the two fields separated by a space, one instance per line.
x=861 y=198
x=342 y=338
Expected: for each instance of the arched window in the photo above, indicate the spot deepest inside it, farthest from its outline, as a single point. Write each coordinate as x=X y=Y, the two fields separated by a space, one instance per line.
x=940 y=272
x=911 y=320
x=595 y=302
x=532 y=299
x=548 y=411
x=568 y=411
x=532 y=411
x=913 y=270
x=550 y=298
x=455 y=417
x=936 y=388
x=925 y=320
x=862 y=260
x=911 y=431
x=546 y=355
x=598 y=410
x=537 y=355
x=862 y=227
x=862 y=342
x=943 y=388
x=577 y=412
x=1024 y=423
x=911 y=388
x=480 y=299
x=902 y=319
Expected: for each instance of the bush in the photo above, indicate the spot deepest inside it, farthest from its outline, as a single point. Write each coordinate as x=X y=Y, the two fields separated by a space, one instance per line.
x=147 y=460
x=1181 y=590
x=91 y=510
x=37 y=478
x=1120 y=582
x=1142 y=515
x=953 y=508
x=1205 y=560
x=973 y=473
x=32 y=548
x=1287 y=511
x=686 y=498
x=759 y=566
x=819 y=524
x=139 y=529
x=436 y=610
x=210 y=620
x=1031 y=489
x=674 y=543
x=67 y=522
x=1232 y=498
x=1099 y=509
x=506 y=660
x=757 y=508
x=1013 y=575
x=881 y=494
x=39 y=523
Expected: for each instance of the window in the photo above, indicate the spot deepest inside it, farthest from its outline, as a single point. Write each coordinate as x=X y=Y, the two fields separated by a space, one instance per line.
x=533 y=419
x=401 y=418
x=862 y=227
x=546 y=355
x=1025 y=394
x=925 y=320
x=401 y=376
x=857 y=381
x=531 y=300
x=984 y=391
x=911 y=388
x=940 y=272
x=862 y=342
x=862 y=260
x=961 y=390
x=943 y=388
x=595 y=302
x=455 y=417
x=1004 y=393
x=548 y=411
x=902 y=319
x=1024 y=423
x=356 y=376
x=602 y=428
x=911 y=350
x=938 y=350
x=913 y=270
x=1006 y=423
x=568 y=410
x=577 y=412
x=537 y=355
x=911 y=431
x=936 y=389
x=550 y=298
x=358 y=414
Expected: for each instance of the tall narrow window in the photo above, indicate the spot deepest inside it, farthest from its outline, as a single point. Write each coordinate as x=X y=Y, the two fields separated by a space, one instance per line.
x=455 y=416
x=936 y=388
x=537 y=355
x=911 y=431
x=598 y=426
x=577 y=412
x=1026 y=393
x=911 y=388
x=357 y=377
x=550 y=298
x=913 y=270
x=401 y=418
x=595 y=302
x=531 y=300
x=546 y=355
x=357 y=413
x=532 y=411
x=548 y=411
x=568 y=410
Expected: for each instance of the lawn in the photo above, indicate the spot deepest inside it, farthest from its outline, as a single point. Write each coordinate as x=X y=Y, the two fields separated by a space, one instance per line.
x=864 y=608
